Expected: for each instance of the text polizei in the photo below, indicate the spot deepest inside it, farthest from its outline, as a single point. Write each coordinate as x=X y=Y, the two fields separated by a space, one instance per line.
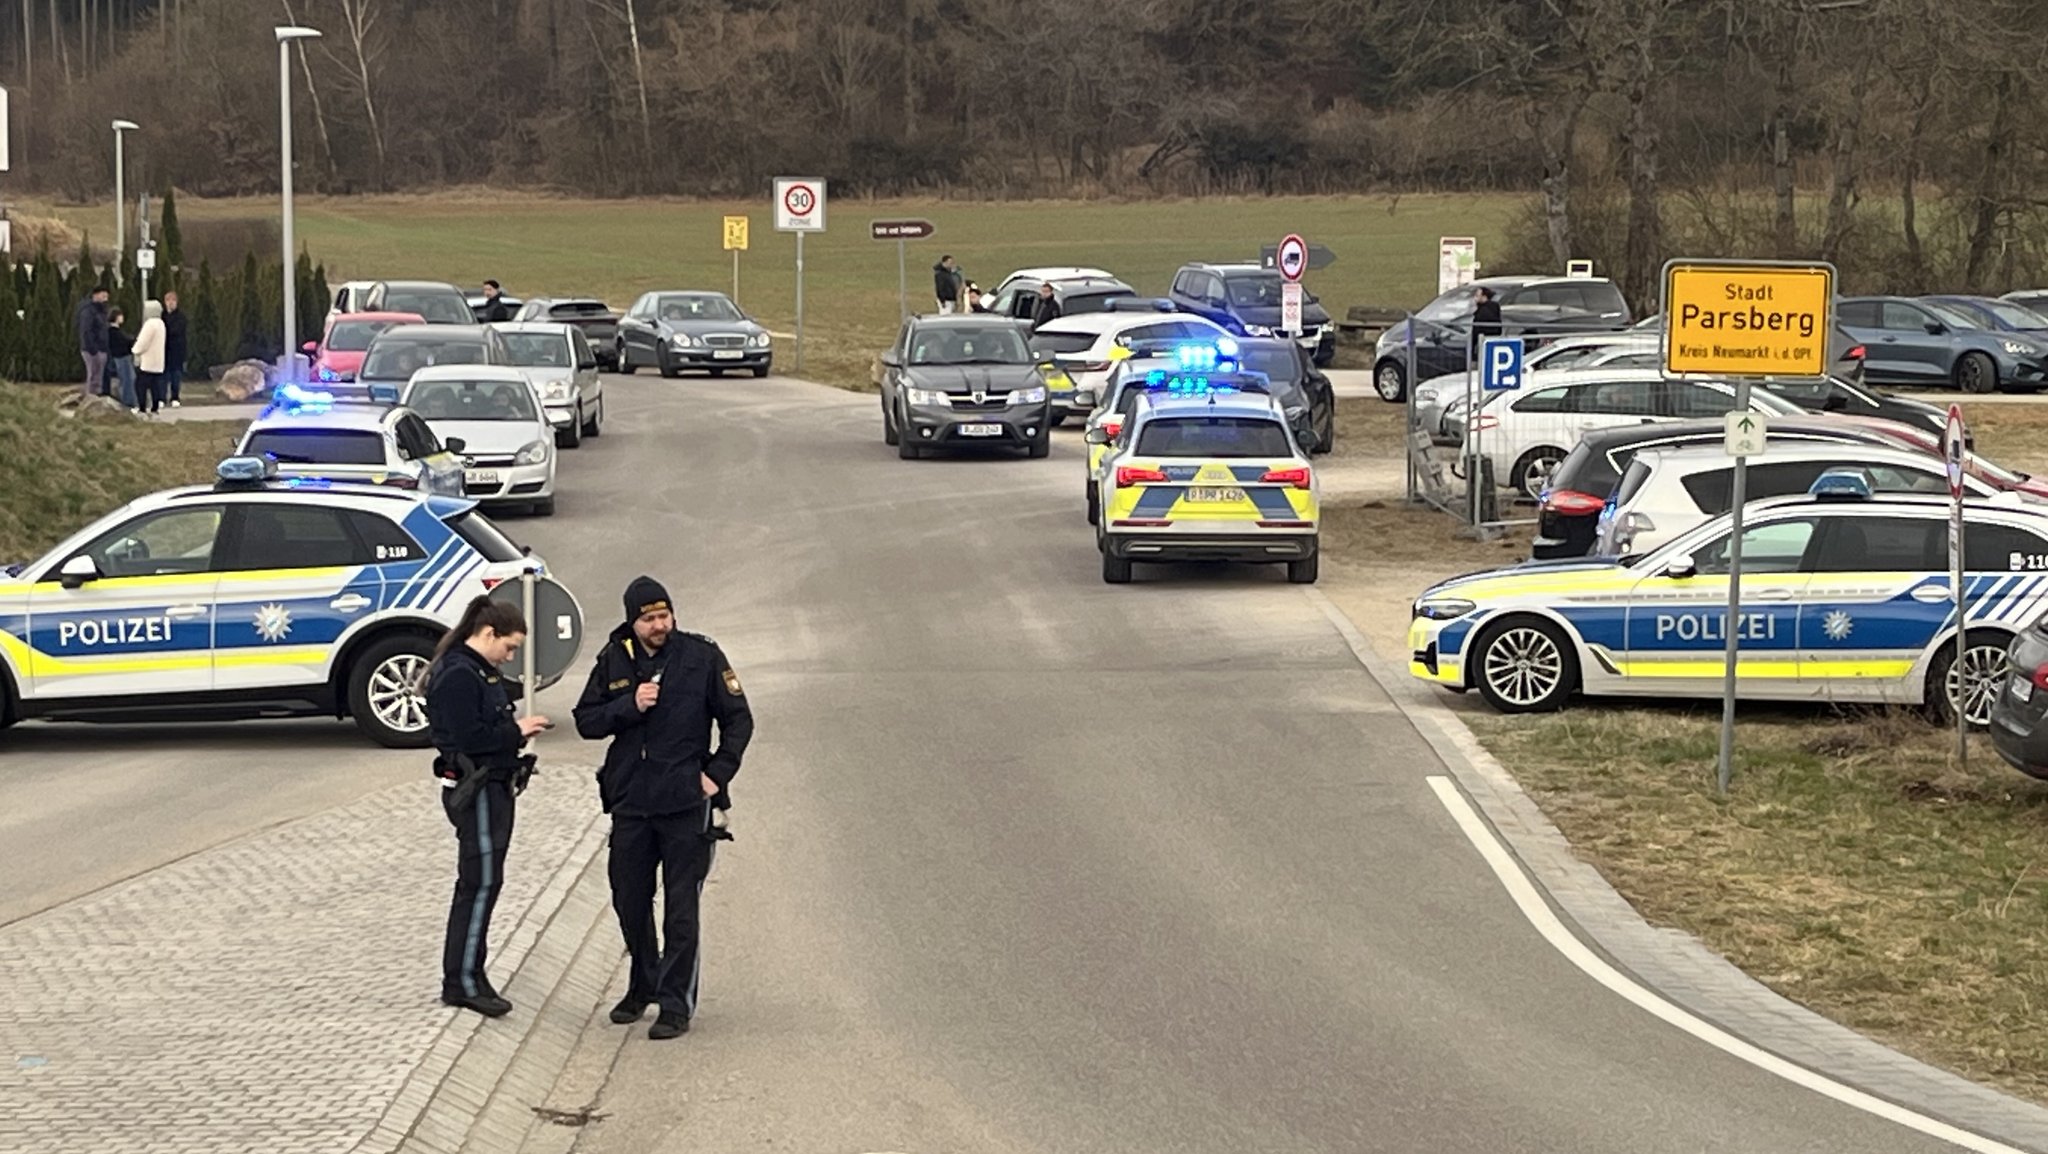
x=1713 y=627
x=95 y=631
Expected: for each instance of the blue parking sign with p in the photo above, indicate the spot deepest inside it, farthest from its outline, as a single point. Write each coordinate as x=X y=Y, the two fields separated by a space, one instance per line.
x=1500 y=364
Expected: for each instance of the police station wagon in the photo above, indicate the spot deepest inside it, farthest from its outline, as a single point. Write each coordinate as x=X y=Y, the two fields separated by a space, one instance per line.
x=1845 y=597
x=257 y=597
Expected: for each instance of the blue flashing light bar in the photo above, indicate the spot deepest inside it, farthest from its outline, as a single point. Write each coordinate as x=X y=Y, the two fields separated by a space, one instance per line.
x=292 y=398
x=247 y=469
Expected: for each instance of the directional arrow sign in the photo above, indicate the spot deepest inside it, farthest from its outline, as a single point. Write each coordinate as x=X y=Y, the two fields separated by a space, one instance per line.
x=1746 y=434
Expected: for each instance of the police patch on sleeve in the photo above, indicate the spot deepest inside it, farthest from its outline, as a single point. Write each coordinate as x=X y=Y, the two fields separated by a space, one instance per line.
x=732 y=684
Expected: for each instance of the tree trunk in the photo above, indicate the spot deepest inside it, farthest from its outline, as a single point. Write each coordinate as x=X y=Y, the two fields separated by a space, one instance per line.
x=1846 y=163
x=56 y=45
x=1909 y=174
x=358 y=18
x=1785 y=223
x=1643 y=250
x=1556 y=124
x=1984 y=228
x=907 y=54
x=640 y=86
x=312 y=90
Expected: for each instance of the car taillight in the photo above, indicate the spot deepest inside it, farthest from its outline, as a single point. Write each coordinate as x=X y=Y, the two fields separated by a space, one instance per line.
x=1128 y=475
x=2039 y=677
x=1855 y=354
x=400 y=481
x=1485 y=421
x=1086 y=366
x=491 y=583
x=1115 y=429
x=1295 y=477
x=1571 y=503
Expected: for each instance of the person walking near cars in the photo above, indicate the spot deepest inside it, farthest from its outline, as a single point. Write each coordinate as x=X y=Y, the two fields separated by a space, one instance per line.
x=1485 y=318
x=90 y=321
x=477 y=740
x=149 y=360
x=495 y=309
x=175 y=347
x=655 y=692
x=120 y=357
x=946 y=284
x=1046 y=308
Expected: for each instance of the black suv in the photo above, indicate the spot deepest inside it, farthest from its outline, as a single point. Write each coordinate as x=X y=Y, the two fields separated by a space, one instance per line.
x=1531 y=307
x=1245 y=299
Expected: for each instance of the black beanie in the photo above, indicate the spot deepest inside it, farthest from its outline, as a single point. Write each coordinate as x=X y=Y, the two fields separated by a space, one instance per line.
x=645 y=595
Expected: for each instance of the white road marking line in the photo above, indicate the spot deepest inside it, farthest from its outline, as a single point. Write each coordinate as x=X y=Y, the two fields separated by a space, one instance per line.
x=1530 y=902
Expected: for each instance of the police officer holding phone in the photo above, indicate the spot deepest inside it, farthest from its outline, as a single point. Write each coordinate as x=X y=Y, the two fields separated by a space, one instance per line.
x=655 y=692
x=477 y=740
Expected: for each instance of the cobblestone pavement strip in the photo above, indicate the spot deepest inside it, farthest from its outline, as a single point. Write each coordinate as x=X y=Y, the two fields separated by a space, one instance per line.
x=272 y=994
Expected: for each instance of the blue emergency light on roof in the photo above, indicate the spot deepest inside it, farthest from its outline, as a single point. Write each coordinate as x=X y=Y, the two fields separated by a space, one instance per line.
x=1843 y=484
x=246 y=470
x=292 y=398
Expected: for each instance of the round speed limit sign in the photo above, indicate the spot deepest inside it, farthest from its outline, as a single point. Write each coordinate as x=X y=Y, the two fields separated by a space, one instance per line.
x=799 y=200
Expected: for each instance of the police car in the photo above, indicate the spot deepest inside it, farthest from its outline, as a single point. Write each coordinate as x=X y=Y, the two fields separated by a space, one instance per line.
x=256 y=597
x=1206 y=469
x=306 y=433
x=1846 y=597
x=1132 y=369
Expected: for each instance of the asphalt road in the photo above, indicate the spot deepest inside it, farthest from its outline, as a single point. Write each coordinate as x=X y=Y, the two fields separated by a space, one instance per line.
x=1025 y=862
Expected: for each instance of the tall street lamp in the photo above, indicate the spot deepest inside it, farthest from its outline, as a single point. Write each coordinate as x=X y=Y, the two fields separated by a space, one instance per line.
x=120 y=194
x=285 y=36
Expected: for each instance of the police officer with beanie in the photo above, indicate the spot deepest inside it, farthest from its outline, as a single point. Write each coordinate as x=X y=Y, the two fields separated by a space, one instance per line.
x=654 y=692
x=477 y=739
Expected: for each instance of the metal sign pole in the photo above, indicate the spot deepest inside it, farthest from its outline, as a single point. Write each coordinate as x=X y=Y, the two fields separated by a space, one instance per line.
x=1961 y=594
x=1731 y=626
x=1409 y=394
x=526 y=677
x=902 y=285
x=1472 y=480
x=735 y=276
x=799 y=302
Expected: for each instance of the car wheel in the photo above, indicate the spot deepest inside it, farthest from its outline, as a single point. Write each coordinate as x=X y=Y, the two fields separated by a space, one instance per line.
x=1525 y=665
x=595 y=426
x=1324 y=354
x=1115 y=570
x=718 y=372
x=571 y=436
x=387 y=691
x=1094 y=507
x=1303 y=572
x=545 y=507
x=1390 y=381
x=621 y=363
x=906 y=448
x=888 y=425
x=1975 y=680
x=1533 y=468
x=1058 y=419
x=1326 y=436
x=1976 y=373
x=668 y=370
x=761 y=372
x=1041 y=445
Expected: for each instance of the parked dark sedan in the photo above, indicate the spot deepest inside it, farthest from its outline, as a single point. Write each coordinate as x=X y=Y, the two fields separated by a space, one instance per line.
x=1838 y=396
x=964 y=381
x=1304 y=393
x=673 y=331
x=1581 y=488
x=1532 y=307
x=598 y=321
x=1844 y=350
x=2019 y=709
x=1996 y=314
x=1922 y=342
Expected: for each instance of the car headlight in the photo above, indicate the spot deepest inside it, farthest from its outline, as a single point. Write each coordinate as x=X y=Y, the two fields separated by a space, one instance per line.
x=1030 y=396
x=760 y=340
x=2020 y=348
x=1258 y=331
x=682 y=340
x=1425 y=395
x=555 y=391
x=928 y=397
x=533 y=454
x=1443 y=608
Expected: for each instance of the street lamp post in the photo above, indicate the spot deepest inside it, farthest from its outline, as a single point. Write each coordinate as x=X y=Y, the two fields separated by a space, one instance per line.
x=120 y=194
x=285 y=36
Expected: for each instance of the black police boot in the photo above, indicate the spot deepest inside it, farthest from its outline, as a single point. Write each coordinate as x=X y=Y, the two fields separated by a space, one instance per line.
x=668 y=1026
x=628 y=1011
x=490 y=1005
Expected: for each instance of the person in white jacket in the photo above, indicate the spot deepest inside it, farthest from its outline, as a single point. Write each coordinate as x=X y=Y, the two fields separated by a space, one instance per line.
x=149 y=360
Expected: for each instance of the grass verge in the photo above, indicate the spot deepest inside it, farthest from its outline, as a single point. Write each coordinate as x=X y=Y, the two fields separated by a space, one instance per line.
x=60 y=472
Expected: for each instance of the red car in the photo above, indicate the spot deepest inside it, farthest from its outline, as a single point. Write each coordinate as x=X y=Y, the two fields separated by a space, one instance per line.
x=339 y=352
x=1929 y=442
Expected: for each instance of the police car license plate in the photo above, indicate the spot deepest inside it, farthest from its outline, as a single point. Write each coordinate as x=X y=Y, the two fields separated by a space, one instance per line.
x=981 y=430
x=1208 y=495
x=481 y=478
x=727 y=354
x=2022 y=689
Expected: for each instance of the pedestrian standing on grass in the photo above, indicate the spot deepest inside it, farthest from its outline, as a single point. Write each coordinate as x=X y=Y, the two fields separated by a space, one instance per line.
x=149 y=360
x=477 y=738
x=175 y=348
x=655 y=692
x=90 y=320
x=946 y=283
x=120 y=357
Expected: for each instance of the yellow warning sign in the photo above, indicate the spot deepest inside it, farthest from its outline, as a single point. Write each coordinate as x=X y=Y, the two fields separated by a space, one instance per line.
x=735 y=234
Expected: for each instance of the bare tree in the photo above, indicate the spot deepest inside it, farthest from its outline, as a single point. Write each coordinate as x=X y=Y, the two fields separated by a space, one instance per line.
x=364 y=43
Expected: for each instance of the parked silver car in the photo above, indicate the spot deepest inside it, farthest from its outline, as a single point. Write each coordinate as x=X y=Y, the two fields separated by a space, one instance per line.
x=562 y=365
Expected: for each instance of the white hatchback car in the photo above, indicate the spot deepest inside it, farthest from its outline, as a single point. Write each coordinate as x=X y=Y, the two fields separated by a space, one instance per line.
x=1443 y=406
x=1667 y=492
x=1527 y=432
x=508 y=447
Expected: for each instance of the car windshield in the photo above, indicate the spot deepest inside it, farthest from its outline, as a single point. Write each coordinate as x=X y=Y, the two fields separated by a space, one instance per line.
x=1280 y=365
x=472 y=401
x=1214 y=437
x=2014 y=315
x=1048 y=343
x=1254 y=290
x=316 y=446
x=961 y=345
x=437 y=307
x=539 y=350
x=398 y=360
x=697 y=308
x=579 y=309
x=1956 y=315
x=1096 y=301
x=354 y=336
x=1449 y=307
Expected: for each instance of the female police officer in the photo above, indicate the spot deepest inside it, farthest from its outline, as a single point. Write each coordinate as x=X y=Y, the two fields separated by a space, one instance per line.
x=477 y=740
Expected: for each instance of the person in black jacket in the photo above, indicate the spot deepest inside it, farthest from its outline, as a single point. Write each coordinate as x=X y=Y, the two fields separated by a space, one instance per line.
x=654 y=691
x=1046 y=309
x=1485 y=318
x=495 y=309
x=946 y=283
x=121 y=357
x=90 y=322
x=176 y=347
x=477 y=739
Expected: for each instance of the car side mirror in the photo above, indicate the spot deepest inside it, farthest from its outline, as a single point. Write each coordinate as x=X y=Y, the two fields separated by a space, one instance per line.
x=311 y=346
x=1096 y=436
x=1681 y=567
x=455 y=444
x=893 y=359
x=1084 y=398
x=1936 y=328
x=78 y=571
x=988 y=301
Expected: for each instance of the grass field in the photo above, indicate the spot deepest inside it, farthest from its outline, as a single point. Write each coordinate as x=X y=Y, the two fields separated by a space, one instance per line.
x=1386 y=249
